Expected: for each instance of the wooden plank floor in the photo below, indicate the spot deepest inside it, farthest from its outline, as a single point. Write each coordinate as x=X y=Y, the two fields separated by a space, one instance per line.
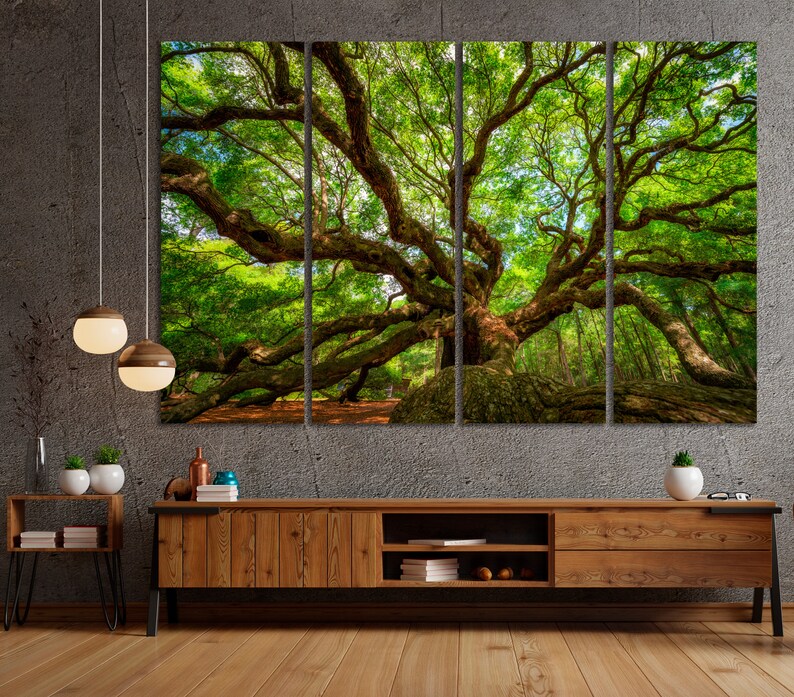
x=397 y=660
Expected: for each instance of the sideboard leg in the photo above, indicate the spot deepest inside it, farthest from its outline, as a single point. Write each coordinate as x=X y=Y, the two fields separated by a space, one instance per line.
x=154 y=588
x=774 y=592
x=170 y=601
x=758 y=605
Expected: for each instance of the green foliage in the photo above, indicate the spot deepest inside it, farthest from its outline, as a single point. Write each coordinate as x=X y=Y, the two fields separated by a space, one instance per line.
x=107 y=455
x=74 y=462
x=683 y=459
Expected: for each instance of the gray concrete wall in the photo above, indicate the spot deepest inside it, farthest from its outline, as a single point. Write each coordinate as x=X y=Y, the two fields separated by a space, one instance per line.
x=48 y=190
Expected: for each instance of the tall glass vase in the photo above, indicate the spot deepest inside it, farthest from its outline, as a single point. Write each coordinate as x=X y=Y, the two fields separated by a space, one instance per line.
x=36 y=480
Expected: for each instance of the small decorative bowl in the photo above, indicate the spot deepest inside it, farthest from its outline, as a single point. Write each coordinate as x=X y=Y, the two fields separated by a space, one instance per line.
x=228 y=478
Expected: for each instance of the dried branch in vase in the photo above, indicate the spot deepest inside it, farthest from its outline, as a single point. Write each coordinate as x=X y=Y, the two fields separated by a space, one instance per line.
x=39 y=353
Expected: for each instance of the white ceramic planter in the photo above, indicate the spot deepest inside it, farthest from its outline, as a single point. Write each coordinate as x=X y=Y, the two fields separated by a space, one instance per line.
x=683 y=483
x=73 y=482
x=107 y=479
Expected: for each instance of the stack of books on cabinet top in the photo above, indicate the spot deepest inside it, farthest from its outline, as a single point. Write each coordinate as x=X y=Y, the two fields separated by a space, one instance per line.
x=39 y=539
x=223 y=493
x=84 y=536
x=429 y=570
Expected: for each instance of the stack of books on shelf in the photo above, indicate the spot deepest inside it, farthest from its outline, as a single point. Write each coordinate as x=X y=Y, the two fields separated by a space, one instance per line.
x=84 y=536
x=429 y=570
x=448 y=542
x=216 y=492
x=39 y=539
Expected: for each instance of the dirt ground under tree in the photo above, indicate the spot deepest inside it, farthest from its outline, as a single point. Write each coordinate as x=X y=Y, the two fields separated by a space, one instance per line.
x=323 y=411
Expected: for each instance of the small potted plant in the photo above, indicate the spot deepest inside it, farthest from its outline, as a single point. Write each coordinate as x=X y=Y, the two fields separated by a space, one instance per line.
x=73 y=478
x=107 y=476
x=683 y=479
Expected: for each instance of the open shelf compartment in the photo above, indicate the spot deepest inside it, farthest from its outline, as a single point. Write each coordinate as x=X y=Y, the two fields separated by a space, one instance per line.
x=522 y=530
x=515 y=540
x=538 y=562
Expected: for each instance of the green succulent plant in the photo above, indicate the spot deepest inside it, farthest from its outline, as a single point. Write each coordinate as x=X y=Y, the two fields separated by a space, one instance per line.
x=107 y=455
x=683 y=459
x=74 y=462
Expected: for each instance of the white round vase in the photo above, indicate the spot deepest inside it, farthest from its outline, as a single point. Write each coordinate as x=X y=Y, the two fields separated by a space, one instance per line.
x=73 y=482
x=107 y=479
x=683 y=483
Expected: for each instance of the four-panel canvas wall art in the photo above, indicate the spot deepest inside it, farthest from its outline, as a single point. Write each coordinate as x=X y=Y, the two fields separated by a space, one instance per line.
x=534 y=252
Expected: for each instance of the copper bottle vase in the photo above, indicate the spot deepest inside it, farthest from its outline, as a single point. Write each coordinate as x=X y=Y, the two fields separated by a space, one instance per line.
x=199 y=473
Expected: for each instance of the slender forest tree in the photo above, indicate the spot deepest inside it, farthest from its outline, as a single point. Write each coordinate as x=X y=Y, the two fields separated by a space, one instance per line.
x=383 y=219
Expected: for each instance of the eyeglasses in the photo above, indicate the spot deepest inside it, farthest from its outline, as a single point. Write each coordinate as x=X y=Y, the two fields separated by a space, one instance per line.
x=724 y=496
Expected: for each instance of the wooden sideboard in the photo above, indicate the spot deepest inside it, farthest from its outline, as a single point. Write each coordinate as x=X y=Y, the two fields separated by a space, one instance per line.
x=566 y=543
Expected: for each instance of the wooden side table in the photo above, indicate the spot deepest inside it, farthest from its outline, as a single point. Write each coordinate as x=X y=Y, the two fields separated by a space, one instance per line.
x=15 y=512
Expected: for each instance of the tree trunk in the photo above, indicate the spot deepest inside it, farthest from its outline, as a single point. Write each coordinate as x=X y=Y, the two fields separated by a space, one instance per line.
x=564 y=367
x=618 y=370
x=697 y=363
x=643 y=344
x=729 y=335
x=629 y=346
x=448 y=353
x=491 y=397
x=654 y=351
x=582 y=376
x=488 y=341
x=684 y=315
x=350 y=394
x=259 y=400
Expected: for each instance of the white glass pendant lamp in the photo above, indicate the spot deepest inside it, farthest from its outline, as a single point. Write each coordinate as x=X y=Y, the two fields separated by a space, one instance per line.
x=100 y=329
x=147 y=366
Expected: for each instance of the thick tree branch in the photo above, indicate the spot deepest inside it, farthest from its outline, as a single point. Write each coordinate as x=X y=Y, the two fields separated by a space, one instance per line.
x=267 y=244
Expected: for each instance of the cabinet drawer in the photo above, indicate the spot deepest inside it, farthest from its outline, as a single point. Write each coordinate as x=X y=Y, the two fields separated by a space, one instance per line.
x=687 y=529
x=651 y=569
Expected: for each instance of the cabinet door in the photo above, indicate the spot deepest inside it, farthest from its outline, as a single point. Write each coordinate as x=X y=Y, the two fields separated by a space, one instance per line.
x=194 y=551
x=290 y=550
x=267 y=543
x=169 y=550
x=243 y=573
x=340 y=549
x=367 y=564
x=219 y=550
x=315 y=549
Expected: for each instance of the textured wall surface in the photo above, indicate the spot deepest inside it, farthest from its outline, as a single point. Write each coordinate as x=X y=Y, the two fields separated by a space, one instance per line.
x=48 y=187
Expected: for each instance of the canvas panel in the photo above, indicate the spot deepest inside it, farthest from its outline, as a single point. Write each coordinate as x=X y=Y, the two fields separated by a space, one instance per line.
x=534 y=128
x=232 y=231
x=685 y=232
x=383 y=245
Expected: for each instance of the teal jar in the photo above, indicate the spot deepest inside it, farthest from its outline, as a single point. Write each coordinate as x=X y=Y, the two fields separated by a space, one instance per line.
x=229 y=478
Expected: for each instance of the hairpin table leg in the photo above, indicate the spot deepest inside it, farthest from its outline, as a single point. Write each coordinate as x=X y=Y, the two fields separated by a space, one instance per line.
x=13 y=561
x=19 y=566
x=24 y=618
x=111 y=625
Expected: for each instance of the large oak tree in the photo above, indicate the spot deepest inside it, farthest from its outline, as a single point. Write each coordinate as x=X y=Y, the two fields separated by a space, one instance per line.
x=533 y=205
